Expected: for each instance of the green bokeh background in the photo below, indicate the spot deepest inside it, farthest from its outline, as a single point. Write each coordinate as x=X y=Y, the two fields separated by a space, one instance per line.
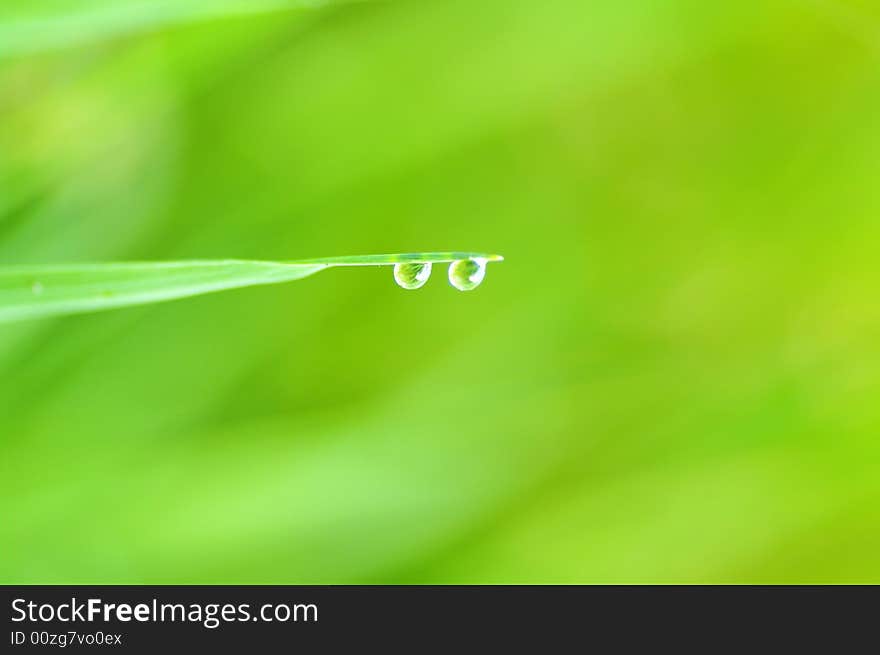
x=674 y=377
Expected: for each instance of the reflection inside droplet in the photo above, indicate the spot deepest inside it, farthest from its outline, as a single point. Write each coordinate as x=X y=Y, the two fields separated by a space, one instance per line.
x=466 y=274
x=412 y=275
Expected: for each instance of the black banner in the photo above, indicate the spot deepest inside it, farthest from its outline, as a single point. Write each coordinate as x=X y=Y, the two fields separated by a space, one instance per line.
x=147 y=618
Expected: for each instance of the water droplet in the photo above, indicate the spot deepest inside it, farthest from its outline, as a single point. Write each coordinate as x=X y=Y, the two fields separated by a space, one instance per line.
x=36 y=288
x=466 y=274
x=412 y=275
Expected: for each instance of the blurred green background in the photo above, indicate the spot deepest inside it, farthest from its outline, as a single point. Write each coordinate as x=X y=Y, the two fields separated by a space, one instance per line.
x=674 y=377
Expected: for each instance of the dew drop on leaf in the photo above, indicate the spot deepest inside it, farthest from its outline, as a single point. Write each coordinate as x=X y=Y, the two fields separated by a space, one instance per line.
x=466 y=274
x=412 y=275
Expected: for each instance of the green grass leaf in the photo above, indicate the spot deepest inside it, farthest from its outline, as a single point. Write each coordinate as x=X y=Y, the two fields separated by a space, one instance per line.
x=29 y=26
x=28 y=292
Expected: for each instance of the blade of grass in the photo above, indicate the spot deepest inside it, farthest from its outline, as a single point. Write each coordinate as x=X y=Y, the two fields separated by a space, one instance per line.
x=28 y=292
x=37 y=25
